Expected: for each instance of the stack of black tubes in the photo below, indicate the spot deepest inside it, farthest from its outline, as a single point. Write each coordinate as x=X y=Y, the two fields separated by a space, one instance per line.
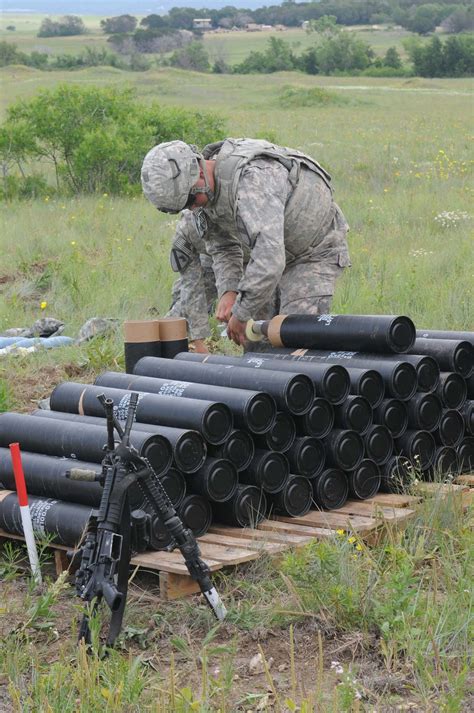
x=236 y=439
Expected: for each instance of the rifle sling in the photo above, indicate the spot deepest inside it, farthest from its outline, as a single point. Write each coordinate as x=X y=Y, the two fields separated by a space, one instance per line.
x=122 y=574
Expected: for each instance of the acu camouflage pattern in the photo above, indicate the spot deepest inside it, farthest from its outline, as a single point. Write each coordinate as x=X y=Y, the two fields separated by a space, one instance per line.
x=287 y=219
x=194 y=292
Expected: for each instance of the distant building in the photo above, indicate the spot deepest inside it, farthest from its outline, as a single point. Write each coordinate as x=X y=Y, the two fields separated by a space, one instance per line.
x=254 y=27
x=305 y=24
x=202 y=23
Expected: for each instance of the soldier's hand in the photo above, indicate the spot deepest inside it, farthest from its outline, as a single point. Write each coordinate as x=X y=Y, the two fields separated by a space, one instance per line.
x=236 y=330
x=224 y=307
x=199 y=346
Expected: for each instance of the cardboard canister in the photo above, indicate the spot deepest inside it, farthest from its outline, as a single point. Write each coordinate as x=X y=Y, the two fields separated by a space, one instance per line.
x=141 y=338
x=174 y=336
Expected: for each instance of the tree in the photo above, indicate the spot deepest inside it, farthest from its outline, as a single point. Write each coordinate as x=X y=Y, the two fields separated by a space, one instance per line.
x=66 y=26
x=193 y=56
x=154 y=22
x=424 y=19
x=95 y=138
x=461 y=20
x=121 y=23
x=392 y=58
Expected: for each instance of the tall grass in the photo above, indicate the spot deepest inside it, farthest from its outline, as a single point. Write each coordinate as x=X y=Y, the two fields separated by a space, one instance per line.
x=336 y=626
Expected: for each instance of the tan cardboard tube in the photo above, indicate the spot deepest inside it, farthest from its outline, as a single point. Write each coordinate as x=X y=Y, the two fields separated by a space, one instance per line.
x=274 y=330
x=173 y=329
x=141 y=331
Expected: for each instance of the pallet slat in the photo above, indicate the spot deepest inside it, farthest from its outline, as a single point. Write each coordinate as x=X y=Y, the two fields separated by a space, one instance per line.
x=225 y=546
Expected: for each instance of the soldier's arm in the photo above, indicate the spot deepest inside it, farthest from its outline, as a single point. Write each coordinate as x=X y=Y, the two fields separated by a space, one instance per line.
x=227 y=259
x=262 y=194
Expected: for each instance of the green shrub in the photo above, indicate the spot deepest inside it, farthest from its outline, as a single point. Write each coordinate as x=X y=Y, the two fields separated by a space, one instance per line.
x=95 y=138
x=292 y=97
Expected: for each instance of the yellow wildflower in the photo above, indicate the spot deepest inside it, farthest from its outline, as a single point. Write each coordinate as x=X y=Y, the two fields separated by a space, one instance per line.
x=351 y=540
x=359 y=547
x=73 y=242
x=340 y=532
x=43 y=305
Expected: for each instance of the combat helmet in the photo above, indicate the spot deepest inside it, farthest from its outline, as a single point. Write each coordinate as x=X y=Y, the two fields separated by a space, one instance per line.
x=169 y=172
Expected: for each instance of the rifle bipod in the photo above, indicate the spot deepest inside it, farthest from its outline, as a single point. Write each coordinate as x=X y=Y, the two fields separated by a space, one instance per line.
x=106 y=552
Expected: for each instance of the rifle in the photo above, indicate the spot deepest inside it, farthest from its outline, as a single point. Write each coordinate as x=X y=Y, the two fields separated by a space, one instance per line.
x=106 y=552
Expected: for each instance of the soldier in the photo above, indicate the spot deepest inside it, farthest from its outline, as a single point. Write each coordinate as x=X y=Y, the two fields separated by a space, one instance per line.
x=274 y=201
x=194 y=292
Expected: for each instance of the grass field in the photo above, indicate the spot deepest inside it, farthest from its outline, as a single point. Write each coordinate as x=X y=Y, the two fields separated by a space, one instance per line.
x=380 y=629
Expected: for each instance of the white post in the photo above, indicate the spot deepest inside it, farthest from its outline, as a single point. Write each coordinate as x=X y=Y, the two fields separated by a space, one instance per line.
x=25 y=512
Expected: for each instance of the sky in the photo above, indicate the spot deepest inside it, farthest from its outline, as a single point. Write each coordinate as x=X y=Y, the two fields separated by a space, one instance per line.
x=111 y=8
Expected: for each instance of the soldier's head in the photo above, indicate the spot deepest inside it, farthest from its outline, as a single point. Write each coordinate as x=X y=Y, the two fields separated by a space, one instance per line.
x=174 y=176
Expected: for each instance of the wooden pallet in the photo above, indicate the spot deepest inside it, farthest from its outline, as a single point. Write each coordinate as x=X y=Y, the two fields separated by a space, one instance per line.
x=224 y=546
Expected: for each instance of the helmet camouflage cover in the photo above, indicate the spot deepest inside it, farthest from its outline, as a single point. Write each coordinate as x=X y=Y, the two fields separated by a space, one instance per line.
x=169 y=172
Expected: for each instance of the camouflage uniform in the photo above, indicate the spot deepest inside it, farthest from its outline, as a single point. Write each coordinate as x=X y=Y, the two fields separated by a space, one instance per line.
x=283 y=212
x=194 y=292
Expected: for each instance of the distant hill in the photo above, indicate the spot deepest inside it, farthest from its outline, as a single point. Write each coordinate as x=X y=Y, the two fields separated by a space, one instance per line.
x=117 y=7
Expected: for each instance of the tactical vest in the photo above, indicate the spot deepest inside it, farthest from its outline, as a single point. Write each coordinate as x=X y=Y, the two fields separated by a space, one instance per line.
x=235 y=154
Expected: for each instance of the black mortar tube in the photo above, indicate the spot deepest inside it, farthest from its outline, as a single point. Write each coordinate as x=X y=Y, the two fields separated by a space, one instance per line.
x=395 y=474
x=212 y=419
x=378 y=444
x=217 y=480
x=424 y=412
x=467 y=412
x=175 y=485
x=292 y=391
x=189 y=447
x=239 y=448
x=344 y=449
x=268 y=470
x=307 y=457
x=196 y=513
x=392 y=414
x=64 y=438
x=295 y=499
x=281 y=436
x=253 y=410
x=452 y=389
x=367 y=383
x=364 y=481
x=451 y=428
x=465 y=451
x=445 y=334
x=376 y=333
x=319 y=420
x=355 y=414
x=330 y=489
x=399 y=376
x=332 y=383
x=451 y=354
x=445 y=461
x=46 y=476
x=245 y=509
x=64 y=522
x=470 y=387
x=419 y=447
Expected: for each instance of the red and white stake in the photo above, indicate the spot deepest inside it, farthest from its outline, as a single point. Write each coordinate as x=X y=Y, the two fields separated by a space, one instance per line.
x=25 y=511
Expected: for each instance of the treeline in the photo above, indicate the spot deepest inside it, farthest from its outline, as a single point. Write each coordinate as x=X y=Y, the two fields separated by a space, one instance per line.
x=93 y=138
x=90 y=57
x=339 y=52
x=414 y=15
